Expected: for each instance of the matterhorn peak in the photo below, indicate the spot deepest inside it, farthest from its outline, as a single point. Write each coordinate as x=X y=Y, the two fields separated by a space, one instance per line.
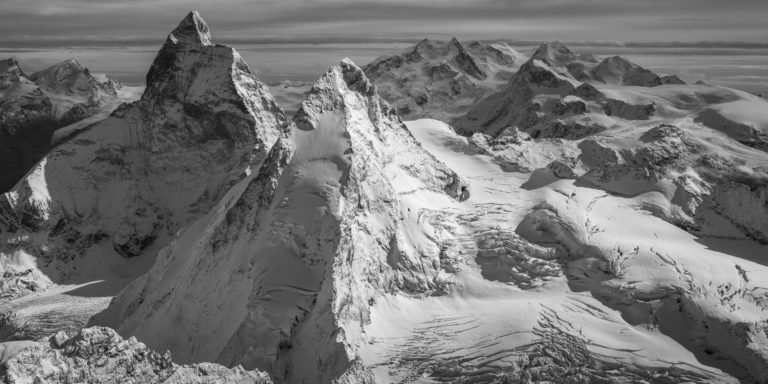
x=190 y=67
x=191 y=30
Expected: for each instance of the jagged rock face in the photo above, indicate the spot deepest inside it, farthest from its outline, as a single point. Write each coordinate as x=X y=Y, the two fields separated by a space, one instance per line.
x=153 y=165
x=100 y=355
x=439 y=79
x=555 y=54
x=302 y=248
x=620 y=71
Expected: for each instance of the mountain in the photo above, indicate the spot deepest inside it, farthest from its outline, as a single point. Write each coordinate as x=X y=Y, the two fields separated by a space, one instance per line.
x=122 y=187
x=343 y=209
x=100 y=355
x=620 y=71
x=441 y=79
x=33 y=106
x=558 y=94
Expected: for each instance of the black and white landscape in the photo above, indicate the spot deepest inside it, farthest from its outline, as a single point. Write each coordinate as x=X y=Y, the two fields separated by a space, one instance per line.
x=455 y=211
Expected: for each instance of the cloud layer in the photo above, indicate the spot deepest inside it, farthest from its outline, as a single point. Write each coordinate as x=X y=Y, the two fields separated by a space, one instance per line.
x=74 y=22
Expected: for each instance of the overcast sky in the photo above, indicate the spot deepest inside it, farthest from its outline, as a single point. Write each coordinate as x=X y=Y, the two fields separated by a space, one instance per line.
x=75 y=22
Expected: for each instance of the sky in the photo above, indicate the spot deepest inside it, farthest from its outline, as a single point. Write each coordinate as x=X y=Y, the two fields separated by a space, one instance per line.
x=56 y=23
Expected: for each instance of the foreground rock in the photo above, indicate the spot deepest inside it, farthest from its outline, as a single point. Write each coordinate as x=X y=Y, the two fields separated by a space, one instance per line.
x=100 y=355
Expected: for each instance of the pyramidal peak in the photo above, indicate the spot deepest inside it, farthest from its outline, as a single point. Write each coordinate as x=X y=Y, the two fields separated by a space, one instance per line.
x=554 y=53
x=190 y=67
x=456 y=43
x=191 y=30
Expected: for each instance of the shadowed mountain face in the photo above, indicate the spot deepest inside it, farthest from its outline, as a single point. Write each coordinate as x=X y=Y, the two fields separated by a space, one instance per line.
x=33 y=107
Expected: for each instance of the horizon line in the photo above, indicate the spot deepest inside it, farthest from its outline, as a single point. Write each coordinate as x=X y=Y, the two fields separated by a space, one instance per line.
x=54 y=43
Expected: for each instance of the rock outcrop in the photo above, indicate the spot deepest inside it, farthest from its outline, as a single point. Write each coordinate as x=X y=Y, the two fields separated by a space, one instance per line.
x=100 y=355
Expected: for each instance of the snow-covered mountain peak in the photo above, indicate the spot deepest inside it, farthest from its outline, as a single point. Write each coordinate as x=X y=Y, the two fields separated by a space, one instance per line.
x=554 y=53
x=620 y=71
x=192 y=70
x=69 y=77
x=192 y=30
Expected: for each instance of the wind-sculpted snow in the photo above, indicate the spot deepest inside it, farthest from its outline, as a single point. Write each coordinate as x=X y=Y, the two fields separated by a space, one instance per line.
x=100 y=355
x=340 y=212
x=123 y=186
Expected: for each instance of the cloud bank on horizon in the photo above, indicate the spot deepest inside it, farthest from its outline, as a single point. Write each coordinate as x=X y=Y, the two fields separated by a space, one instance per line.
x=73 y=22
